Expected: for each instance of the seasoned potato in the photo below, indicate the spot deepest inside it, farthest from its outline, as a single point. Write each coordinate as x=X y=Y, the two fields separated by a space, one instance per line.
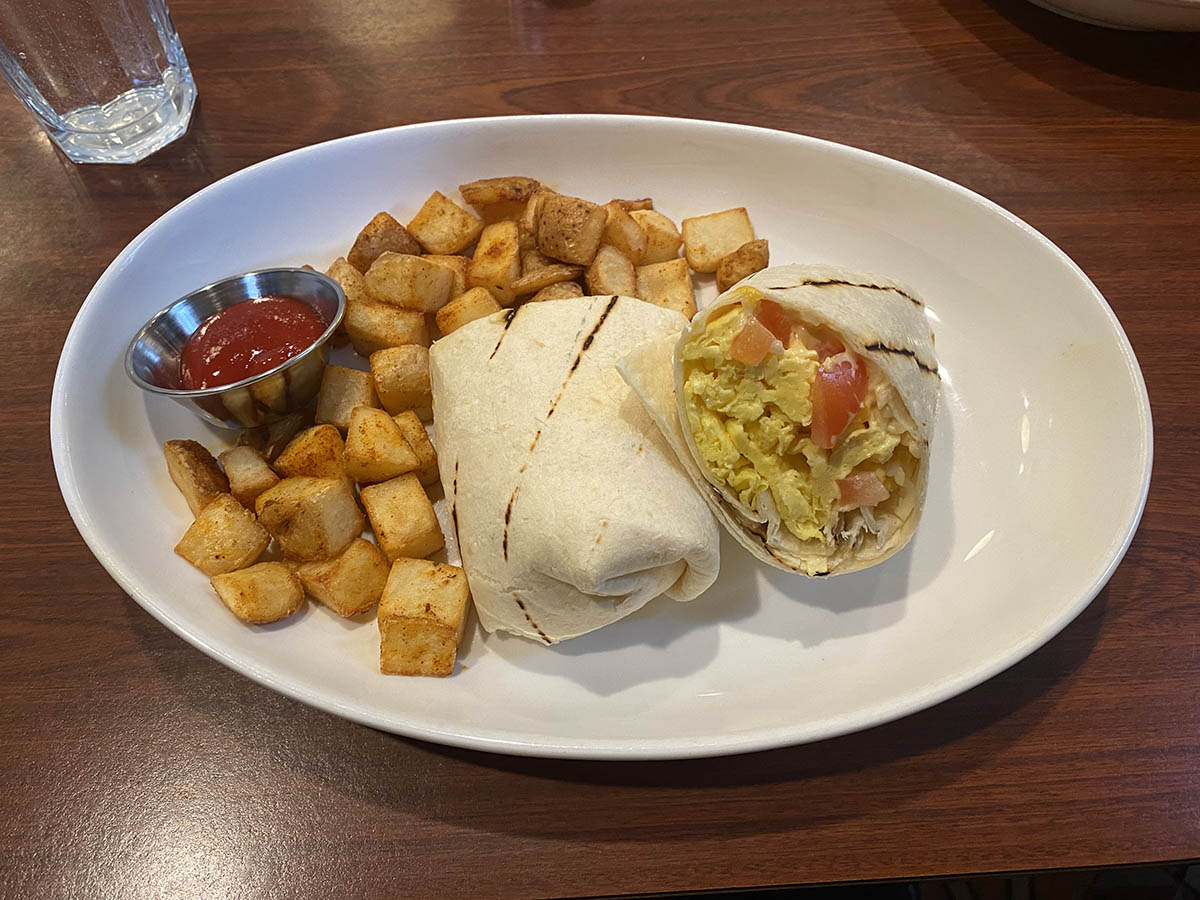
x=311 y=518
x=505 y=211
x=611 y=272
x=527 y=225
x=348 y=584
x=248 y=473
x=458 y=268
x=316 y=452
x=418 y=438
x=411 y=282
x=422 y=614
x=376 y=448
x=402 y=517
x=343 y=389
x=260 y=594
x=401 y=376
x=623 y=232
x=353 y=284
x=668 y=284
x=373 y=326
x=278 y=434
x=741 y=263
x=474 y=304
x=706 y=239
x=195 y=472
x=546 y=276
x=497 y=261
x=662 y=237
x=442 y=226
x=570 y=229
x=532 y=260
x=487 y=191
x=564 y=290
x=631 y=205
x=225 y=537
x=382 y=233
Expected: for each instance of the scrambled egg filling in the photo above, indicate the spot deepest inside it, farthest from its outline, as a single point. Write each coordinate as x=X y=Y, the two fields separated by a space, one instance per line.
x=751 y=426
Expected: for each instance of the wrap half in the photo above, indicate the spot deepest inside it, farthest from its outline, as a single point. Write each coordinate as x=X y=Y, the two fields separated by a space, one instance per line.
x=571 y=510
x=802 y=402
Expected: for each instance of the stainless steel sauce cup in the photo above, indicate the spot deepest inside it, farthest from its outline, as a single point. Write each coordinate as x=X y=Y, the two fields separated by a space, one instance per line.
x=152 y=360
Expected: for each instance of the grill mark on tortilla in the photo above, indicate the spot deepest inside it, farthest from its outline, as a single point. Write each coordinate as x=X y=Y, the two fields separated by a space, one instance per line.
x=529 y=619
x=454 y=505
x=583 y=348
x=537 y=437
x=840 y=283
x=902 y=351
x=509 y=316
x=508 y=518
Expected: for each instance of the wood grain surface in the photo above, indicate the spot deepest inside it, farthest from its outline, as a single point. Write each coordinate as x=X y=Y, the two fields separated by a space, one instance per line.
x=132 y=765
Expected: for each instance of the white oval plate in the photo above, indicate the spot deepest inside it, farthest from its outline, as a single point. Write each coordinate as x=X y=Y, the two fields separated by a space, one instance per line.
x=1040 y=470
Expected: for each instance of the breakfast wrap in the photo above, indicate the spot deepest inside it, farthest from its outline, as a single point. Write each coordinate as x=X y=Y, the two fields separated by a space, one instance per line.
x=570 y=509
x=802 y=402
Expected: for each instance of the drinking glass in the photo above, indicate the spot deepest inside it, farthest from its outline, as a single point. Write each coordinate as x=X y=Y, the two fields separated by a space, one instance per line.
x=107 y=79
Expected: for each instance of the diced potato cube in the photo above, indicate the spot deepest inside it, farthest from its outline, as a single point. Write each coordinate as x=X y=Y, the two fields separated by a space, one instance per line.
x=623 y=232
x=569 y=229
x=474 y=304
x=418 y=438
x=316 y=452
x=458 y=268
x=510 y=188
x=311 y=518
x=497 y=261
x=662 y=237
x=668 y=284
x=248 y=473
x=631 y=205
x=354 y=286
x=373 y=326
x=505 y=211
x=280 y=432
x=260 y=594
x=343 y=389
x=532 y=260
x=376 y=448
x=401 y=377
x=195 y=472
x=382 y=233
x=527 y=225
x=442 y=226
x=546 y=276
x=225 y=537
x=410 y=282
x=403 y=518
x=611 y=272
x=348 y=584
x=742 y=263
x=564 y=290
x=422 y=614
x=708 y=238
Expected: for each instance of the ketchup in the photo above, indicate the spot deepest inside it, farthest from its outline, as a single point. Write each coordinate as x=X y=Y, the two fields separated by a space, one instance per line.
x=248 y=339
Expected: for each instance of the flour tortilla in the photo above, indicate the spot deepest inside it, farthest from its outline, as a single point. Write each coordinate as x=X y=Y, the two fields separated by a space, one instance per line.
x=571 y=510
x=882 y=322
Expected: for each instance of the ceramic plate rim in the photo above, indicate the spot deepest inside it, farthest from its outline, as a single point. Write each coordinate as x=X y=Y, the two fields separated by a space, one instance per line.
x=600 y=748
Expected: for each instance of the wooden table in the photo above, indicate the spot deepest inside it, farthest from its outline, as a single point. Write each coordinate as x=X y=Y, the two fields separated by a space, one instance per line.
x=131 y=765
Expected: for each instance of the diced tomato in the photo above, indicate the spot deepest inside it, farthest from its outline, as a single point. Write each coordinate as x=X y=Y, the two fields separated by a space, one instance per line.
x=752 y=344
x=861 y=489
x=838 y=392
x=775 y=320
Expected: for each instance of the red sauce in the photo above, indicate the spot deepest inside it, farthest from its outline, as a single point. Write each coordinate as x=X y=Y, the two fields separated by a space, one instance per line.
x=248 y=339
